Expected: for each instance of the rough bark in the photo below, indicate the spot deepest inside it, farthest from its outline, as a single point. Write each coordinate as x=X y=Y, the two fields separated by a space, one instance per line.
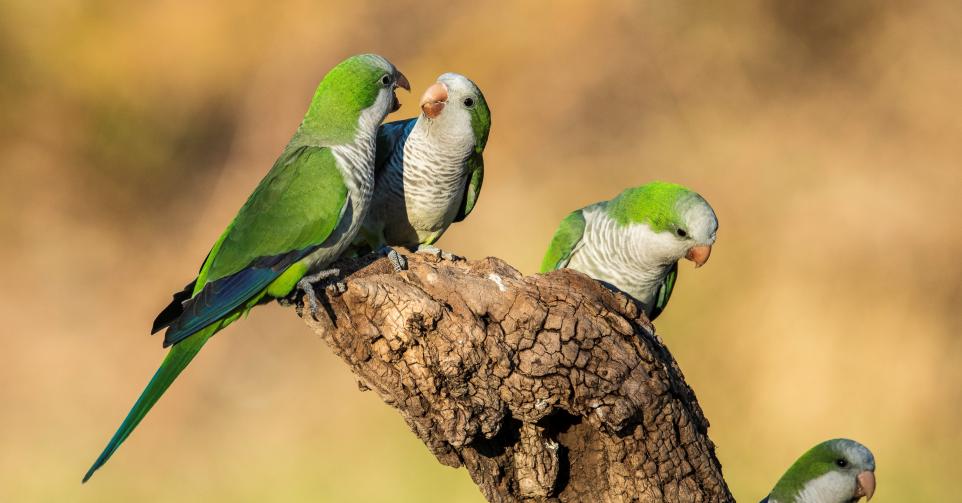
x=545 y=387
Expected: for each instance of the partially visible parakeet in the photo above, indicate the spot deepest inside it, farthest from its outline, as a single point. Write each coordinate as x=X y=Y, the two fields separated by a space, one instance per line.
x=300 y=218
x=429 y=169
x=634 y=241
x=834 y=471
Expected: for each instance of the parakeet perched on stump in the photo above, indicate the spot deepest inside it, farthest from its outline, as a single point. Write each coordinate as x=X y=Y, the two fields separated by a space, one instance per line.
x=299 y=219
x=634 y=241
x=429 y=169
x=834 y=471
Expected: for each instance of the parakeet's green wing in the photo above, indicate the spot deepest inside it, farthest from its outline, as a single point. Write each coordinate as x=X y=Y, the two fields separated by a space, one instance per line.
x=290 y=214
x=664 y=292
x=472 y=189
x=566 y=238
x=249 y=256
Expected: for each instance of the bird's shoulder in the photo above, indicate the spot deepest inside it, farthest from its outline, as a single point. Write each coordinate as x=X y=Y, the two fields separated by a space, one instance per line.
x=566 y=238
x=390 y=141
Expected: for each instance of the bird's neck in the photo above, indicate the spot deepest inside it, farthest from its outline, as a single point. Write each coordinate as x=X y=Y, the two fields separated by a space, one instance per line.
x=831 y=487
x=355 y=160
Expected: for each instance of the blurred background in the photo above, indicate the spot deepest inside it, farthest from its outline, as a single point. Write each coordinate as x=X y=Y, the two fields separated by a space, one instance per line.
x=827 y=135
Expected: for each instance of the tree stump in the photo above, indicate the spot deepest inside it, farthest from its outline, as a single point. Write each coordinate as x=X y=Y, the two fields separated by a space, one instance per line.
x=545 y=387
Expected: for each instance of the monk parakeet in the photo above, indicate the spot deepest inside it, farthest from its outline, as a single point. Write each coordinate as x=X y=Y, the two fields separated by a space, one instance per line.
x=300 y=218
x=834 y=471
x=634 y=241
x=429 y=169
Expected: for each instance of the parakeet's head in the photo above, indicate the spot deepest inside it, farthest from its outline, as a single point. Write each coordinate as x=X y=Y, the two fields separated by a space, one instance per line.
x=357 y=93
x=455 y=105
x=678 y=223
x=834 y=471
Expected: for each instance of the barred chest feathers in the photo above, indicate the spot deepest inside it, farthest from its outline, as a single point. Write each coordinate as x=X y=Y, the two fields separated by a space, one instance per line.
x=434 y=180
x=631 y=256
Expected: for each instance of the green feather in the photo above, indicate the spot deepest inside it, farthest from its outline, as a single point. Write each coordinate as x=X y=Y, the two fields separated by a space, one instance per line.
x=480 y=122
x=472 y=189
x=654 y=203
x=664 y=292
x=345 y=92
x=566 y=238
x=297 y=205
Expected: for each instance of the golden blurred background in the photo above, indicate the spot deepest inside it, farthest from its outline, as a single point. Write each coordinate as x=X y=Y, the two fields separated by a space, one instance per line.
x=827 y=135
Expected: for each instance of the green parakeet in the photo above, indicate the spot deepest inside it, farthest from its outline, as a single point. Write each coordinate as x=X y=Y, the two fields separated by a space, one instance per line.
x=299 y=219
x=429 y=169
x=834 y=471
x=634 y=241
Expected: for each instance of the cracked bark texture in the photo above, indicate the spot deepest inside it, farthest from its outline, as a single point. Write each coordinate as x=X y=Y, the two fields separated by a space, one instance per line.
x=545 y=387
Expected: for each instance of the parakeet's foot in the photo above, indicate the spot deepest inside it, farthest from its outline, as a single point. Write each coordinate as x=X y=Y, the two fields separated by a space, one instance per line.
x=306 y=285
x=397 y=260
x=337 y=288
x=437 y=252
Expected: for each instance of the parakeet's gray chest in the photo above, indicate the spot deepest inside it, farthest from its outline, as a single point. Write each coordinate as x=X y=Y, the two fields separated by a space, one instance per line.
x=355 y=162
x=609 y=252
x=432 y=177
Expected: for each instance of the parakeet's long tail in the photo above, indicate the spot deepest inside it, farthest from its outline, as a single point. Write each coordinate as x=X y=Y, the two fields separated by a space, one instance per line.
x=177 y=359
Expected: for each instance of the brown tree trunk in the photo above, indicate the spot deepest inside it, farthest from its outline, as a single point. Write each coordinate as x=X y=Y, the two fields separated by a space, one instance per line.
x=545 y=388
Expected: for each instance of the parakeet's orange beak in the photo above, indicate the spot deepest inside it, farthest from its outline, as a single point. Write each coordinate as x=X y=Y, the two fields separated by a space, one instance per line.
x=433 y=100
x=865 y=485
x=699 y=254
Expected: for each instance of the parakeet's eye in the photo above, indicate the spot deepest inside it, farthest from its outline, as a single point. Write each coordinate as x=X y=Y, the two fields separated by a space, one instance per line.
x=681 y=233
x=841 y=463
x=386 y=80
x=469 y=102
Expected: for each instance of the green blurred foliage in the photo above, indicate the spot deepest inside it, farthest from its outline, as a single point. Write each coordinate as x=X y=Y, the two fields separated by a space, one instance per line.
x=824 y=133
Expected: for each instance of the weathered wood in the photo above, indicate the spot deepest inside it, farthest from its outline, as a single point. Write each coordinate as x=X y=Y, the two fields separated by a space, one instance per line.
x=545 y=387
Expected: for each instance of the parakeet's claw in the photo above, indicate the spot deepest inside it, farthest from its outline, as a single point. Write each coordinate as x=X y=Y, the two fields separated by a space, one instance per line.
x=438 y=253
x=337 y=288
x=306 y=285
x=397 y=260
x=308 y=289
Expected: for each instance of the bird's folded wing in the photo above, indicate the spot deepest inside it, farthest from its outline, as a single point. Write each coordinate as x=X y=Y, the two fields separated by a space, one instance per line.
x=565 y=240
x=291 y=213
x=472 y=189
x=390 y=139
x=664 y=292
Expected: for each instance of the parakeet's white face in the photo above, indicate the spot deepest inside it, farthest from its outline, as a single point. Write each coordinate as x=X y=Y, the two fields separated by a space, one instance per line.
x=691 y=239
x=700 y=223
x=447 y=107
